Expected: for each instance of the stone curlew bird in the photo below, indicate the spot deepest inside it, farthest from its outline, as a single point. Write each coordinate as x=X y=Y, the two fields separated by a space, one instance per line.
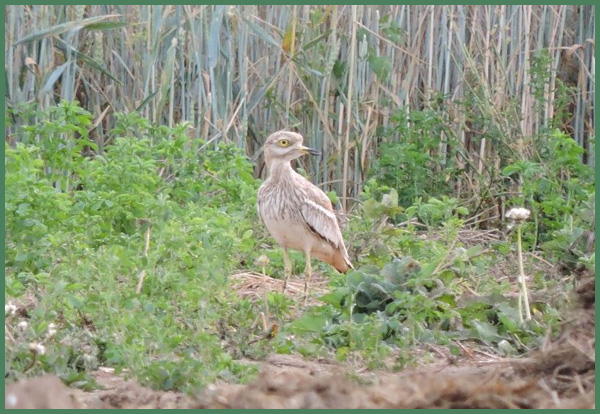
x=298 y=214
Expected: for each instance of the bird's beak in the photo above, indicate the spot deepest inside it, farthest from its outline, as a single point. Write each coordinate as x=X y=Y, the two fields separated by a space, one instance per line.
x=311 y=151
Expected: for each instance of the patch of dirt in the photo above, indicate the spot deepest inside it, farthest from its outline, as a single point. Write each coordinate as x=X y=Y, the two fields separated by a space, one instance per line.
x=559 y=375
x=498 y=385
x=42 y=392
x=117 y=392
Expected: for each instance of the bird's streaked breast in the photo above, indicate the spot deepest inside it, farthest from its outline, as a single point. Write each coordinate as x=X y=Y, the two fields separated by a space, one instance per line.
x=279 y=200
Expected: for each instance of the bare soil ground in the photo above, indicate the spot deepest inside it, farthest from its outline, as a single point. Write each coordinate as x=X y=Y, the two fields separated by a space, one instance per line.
x=560 y=375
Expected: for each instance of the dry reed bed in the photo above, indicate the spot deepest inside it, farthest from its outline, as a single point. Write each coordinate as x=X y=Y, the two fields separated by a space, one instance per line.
x=336 y=73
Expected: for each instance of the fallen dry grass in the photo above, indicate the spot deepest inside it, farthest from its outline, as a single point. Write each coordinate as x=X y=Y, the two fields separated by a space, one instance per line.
x=253 y=285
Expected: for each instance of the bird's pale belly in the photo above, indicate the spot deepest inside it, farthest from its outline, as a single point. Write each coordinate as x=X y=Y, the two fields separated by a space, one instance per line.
x=295 y=236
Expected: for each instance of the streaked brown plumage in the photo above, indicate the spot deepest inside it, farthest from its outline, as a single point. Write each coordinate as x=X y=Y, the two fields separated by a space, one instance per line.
x=298 y=214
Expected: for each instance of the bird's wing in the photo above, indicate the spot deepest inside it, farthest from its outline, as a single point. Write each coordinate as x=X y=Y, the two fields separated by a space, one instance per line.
x=318 y=214
x=259 y=210
x=259 y=202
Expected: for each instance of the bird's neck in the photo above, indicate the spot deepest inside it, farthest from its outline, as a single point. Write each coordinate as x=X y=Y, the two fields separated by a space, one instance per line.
x=278 y=169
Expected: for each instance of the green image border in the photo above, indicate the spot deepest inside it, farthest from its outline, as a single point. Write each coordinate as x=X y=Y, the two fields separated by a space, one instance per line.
x=3 y=85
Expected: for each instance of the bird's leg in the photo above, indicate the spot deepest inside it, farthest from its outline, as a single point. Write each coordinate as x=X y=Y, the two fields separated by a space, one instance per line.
x=287 y=269
x=307 y=277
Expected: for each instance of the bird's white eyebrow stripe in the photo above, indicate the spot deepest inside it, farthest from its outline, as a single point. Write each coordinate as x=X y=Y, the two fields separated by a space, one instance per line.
x=320 y=208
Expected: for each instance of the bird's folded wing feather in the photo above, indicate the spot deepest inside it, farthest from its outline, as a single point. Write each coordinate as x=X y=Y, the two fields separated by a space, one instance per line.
x=318 y=214
x=259 y=208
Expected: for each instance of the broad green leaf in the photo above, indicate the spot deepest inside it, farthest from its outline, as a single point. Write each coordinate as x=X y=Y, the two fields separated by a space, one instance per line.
x=261 y=33
x=427 y=269
x=332 y=195
x=506 y=348
x=454 y=350
x=64 y=47
x=510 y=169
x=214 y=37
x=339 y=69
x=74 y=301
x=509 y=317
x=316 y=73
x=371 y=209
x=145 y=101
x=310 y=322
x=316 y=40
x=463 y=211
x=54 y=77
x=486 y=331
x=107 y=25
x=64 y=27
x=166 y=77
x=336 y=296
x=382 y=289
x=381 y=65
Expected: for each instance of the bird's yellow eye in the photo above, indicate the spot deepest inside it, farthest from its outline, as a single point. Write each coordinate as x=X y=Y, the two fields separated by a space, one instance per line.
x=284 y=143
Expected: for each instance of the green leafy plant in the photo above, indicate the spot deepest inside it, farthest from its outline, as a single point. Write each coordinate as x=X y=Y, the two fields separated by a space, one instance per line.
x=80 y=250
x=409 y=164
x=556 y=187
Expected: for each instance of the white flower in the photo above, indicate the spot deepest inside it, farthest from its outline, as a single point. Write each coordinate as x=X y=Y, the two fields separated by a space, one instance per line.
x=37 y=349
x=262 y=260
x=11 y=400
x=518 y=214
x=9 y=309
x=51 y=331
x=23 y=325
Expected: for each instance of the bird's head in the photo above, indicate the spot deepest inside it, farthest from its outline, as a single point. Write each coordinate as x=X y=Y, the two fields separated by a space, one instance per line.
x=286 y=146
